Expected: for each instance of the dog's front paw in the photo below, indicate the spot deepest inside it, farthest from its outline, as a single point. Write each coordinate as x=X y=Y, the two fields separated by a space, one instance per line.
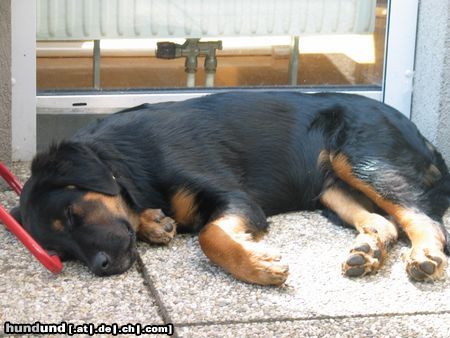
x=423 y=264
x=155 y=227
x=366 y=256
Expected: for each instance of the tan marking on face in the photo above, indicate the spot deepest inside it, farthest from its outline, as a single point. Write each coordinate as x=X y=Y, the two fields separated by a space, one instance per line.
x=225 y=243
x=420 y=229
x=57 y=225
x=100 y=208
x=113 y=203
x=184 y=207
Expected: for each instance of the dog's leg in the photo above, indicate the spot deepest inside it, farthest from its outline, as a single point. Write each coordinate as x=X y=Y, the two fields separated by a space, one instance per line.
x=410 y=200
x=229 y=239
x=155 y=227
x=375 y=233
x=227 y=243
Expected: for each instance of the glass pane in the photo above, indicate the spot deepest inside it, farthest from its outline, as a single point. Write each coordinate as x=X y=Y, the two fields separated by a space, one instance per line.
x=348 y=53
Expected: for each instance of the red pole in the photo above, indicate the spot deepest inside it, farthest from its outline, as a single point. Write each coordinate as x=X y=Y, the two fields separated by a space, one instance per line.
x=51 y=262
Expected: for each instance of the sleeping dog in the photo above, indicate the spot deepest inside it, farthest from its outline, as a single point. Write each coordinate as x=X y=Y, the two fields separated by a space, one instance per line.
x=220 y=164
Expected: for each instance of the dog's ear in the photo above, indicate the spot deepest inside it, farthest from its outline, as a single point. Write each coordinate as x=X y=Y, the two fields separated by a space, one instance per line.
x=74 y=164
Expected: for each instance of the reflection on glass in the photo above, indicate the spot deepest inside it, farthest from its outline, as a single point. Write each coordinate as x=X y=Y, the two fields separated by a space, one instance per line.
x=323 y=59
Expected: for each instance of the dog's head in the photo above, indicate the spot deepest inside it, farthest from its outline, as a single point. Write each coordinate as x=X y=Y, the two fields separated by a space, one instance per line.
x=72 y=205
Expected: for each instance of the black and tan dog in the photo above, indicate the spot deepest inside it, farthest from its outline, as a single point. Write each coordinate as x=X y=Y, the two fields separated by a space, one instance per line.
x=220 y=164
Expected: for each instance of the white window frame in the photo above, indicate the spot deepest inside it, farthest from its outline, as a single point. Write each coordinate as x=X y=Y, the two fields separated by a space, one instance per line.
x=400 y=54
x=396 y=87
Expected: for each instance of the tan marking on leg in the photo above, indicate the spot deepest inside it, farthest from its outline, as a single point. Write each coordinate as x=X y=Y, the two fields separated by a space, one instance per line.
x=225 y=242
x=369 y=249
x=344 y=171
x=426 y=237
x=417 y=227
x=359 y=213
x=155 y=227
x=425 y=260
x=184 y=207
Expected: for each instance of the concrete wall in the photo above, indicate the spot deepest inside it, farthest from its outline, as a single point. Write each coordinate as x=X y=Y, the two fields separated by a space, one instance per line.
x=431 y=94
x=5 y=82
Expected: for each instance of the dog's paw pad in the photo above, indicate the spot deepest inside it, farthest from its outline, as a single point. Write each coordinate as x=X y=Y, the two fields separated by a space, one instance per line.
x=427 y=267
x=168 y=227
x=422 y=266
x=356 y=260
x=355 y=271
x=159 y=231
x=362 y=248
x=365 y=257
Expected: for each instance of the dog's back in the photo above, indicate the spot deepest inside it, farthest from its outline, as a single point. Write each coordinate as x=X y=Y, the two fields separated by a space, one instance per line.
x=267 y=143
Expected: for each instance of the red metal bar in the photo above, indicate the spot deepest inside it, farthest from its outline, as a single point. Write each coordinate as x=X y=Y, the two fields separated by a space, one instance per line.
x=51 y=262
x=10 y=179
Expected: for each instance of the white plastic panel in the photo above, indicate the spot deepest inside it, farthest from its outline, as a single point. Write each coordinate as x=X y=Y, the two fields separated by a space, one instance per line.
x=98 y=103
x=101 y=19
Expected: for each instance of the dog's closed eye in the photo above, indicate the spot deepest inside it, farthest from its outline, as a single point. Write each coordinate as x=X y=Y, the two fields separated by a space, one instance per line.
x=68 y=211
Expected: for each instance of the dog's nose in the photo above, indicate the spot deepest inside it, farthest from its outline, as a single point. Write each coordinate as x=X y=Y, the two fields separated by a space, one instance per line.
x=101 y=262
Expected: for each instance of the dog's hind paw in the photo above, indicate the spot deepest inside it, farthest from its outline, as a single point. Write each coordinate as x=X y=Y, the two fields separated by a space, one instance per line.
x=366 y=257
x=426 y=265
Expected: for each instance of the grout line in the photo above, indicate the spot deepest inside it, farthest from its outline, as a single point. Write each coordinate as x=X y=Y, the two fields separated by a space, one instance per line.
x=161 y=307
x=305 y=319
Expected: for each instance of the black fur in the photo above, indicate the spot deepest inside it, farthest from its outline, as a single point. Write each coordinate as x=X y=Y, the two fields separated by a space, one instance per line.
x=254 y=154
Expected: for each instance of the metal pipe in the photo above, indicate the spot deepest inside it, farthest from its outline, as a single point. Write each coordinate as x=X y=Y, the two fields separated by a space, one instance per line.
x=191 y=49
x=209 y=79
x=293 y=61
x=190 y=80
x=96 y=65
x=211 y=66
